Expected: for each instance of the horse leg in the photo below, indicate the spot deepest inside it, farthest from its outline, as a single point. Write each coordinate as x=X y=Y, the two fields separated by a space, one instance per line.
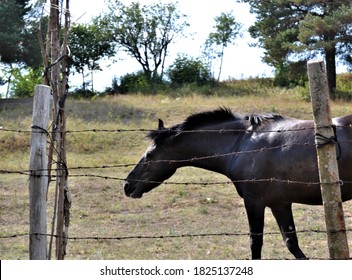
x=255 y=214
x=284 y=218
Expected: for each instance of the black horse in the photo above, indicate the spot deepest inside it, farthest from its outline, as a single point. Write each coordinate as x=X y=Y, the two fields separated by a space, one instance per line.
x=270 y=158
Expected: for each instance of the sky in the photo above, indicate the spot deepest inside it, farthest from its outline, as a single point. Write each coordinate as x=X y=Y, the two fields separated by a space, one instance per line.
x=240 y=60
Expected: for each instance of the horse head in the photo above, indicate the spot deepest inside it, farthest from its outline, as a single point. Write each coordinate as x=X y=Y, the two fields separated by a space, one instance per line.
x=177 y=146
x=153 y=168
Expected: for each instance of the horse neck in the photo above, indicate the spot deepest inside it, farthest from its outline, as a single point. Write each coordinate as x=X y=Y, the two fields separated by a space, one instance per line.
x=209 y=150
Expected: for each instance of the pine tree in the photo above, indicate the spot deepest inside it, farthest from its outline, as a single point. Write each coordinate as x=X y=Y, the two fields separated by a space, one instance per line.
x=302 y=29
x=19 y=44
x=12 y=25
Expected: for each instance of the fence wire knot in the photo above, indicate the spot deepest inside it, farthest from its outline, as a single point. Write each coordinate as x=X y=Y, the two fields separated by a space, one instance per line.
x=329 y=140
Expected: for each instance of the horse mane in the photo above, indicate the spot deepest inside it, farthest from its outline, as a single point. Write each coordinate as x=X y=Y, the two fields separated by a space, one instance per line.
x=209 y=117
x=257 y=120
x=197 y=120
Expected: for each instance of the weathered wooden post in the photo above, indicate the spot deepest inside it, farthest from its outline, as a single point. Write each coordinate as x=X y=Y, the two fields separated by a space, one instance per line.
x=38 y=180
x=58 y=82
x=327 y=163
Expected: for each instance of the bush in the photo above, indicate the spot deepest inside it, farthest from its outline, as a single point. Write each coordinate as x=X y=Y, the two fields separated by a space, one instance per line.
x=115 y=87
x=344 y=86
x=81 y=93
x=134 y=82
x=186 y=70
x=25 y=81
x=344 y=82
x=291 y=74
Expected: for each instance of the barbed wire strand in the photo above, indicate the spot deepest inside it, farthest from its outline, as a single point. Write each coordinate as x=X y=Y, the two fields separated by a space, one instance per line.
x=253 y=180
x=144 y=130
x=67 y=170
x=151 y=236
x=182 y=235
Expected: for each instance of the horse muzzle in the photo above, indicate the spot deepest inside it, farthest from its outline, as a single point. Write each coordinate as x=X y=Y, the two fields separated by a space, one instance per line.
x=127 y=189
x=130 y=191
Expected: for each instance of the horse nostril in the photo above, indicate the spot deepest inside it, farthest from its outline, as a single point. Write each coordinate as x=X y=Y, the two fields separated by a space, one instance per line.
x=126 y=188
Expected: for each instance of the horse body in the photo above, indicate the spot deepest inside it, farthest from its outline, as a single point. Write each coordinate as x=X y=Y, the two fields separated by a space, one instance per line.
x=271 y=160
x=289 y=157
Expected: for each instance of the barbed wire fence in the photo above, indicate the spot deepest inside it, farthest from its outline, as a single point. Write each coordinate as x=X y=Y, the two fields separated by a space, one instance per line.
x=71 y=173
x=63 y=172
x=193 y=159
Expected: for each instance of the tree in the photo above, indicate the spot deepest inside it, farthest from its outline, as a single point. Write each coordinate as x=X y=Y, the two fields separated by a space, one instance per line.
x=89 y=44
x=188 y=70
x=11 y=35
x=145 y=32
x=18 y=33
x=226 y=30
x=18 y=38
x=301 y=29
x=329 y=30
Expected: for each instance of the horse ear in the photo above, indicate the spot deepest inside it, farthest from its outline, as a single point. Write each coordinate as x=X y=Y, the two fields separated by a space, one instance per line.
x=161 y=125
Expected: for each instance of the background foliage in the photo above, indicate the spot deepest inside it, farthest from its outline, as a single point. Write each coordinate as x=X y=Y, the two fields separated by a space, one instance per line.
x=289 y=32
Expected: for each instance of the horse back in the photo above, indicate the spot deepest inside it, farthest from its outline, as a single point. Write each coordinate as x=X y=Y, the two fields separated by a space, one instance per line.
x=343 y=121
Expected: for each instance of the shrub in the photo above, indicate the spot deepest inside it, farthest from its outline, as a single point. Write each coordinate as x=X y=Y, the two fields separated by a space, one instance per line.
x=186 y=70
x=134 y=82
x=344 y=82
x=344 y=86
x=291 y=74
x=80 y=93
x=115 y=87
x=25 y=81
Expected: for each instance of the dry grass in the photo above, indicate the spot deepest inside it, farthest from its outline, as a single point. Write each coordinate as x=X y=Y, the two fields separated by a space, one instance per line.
x=100 y=208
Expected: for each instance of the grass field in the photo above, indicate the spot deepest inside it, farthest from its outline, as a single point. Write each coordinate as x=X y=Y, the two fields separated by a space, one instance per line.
x=100 y=209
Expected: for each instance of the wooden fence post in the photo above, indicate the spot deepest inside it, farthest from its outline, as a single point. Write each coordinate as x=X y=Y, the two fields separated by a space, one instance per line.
x=38 y=179
x=327 y=163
